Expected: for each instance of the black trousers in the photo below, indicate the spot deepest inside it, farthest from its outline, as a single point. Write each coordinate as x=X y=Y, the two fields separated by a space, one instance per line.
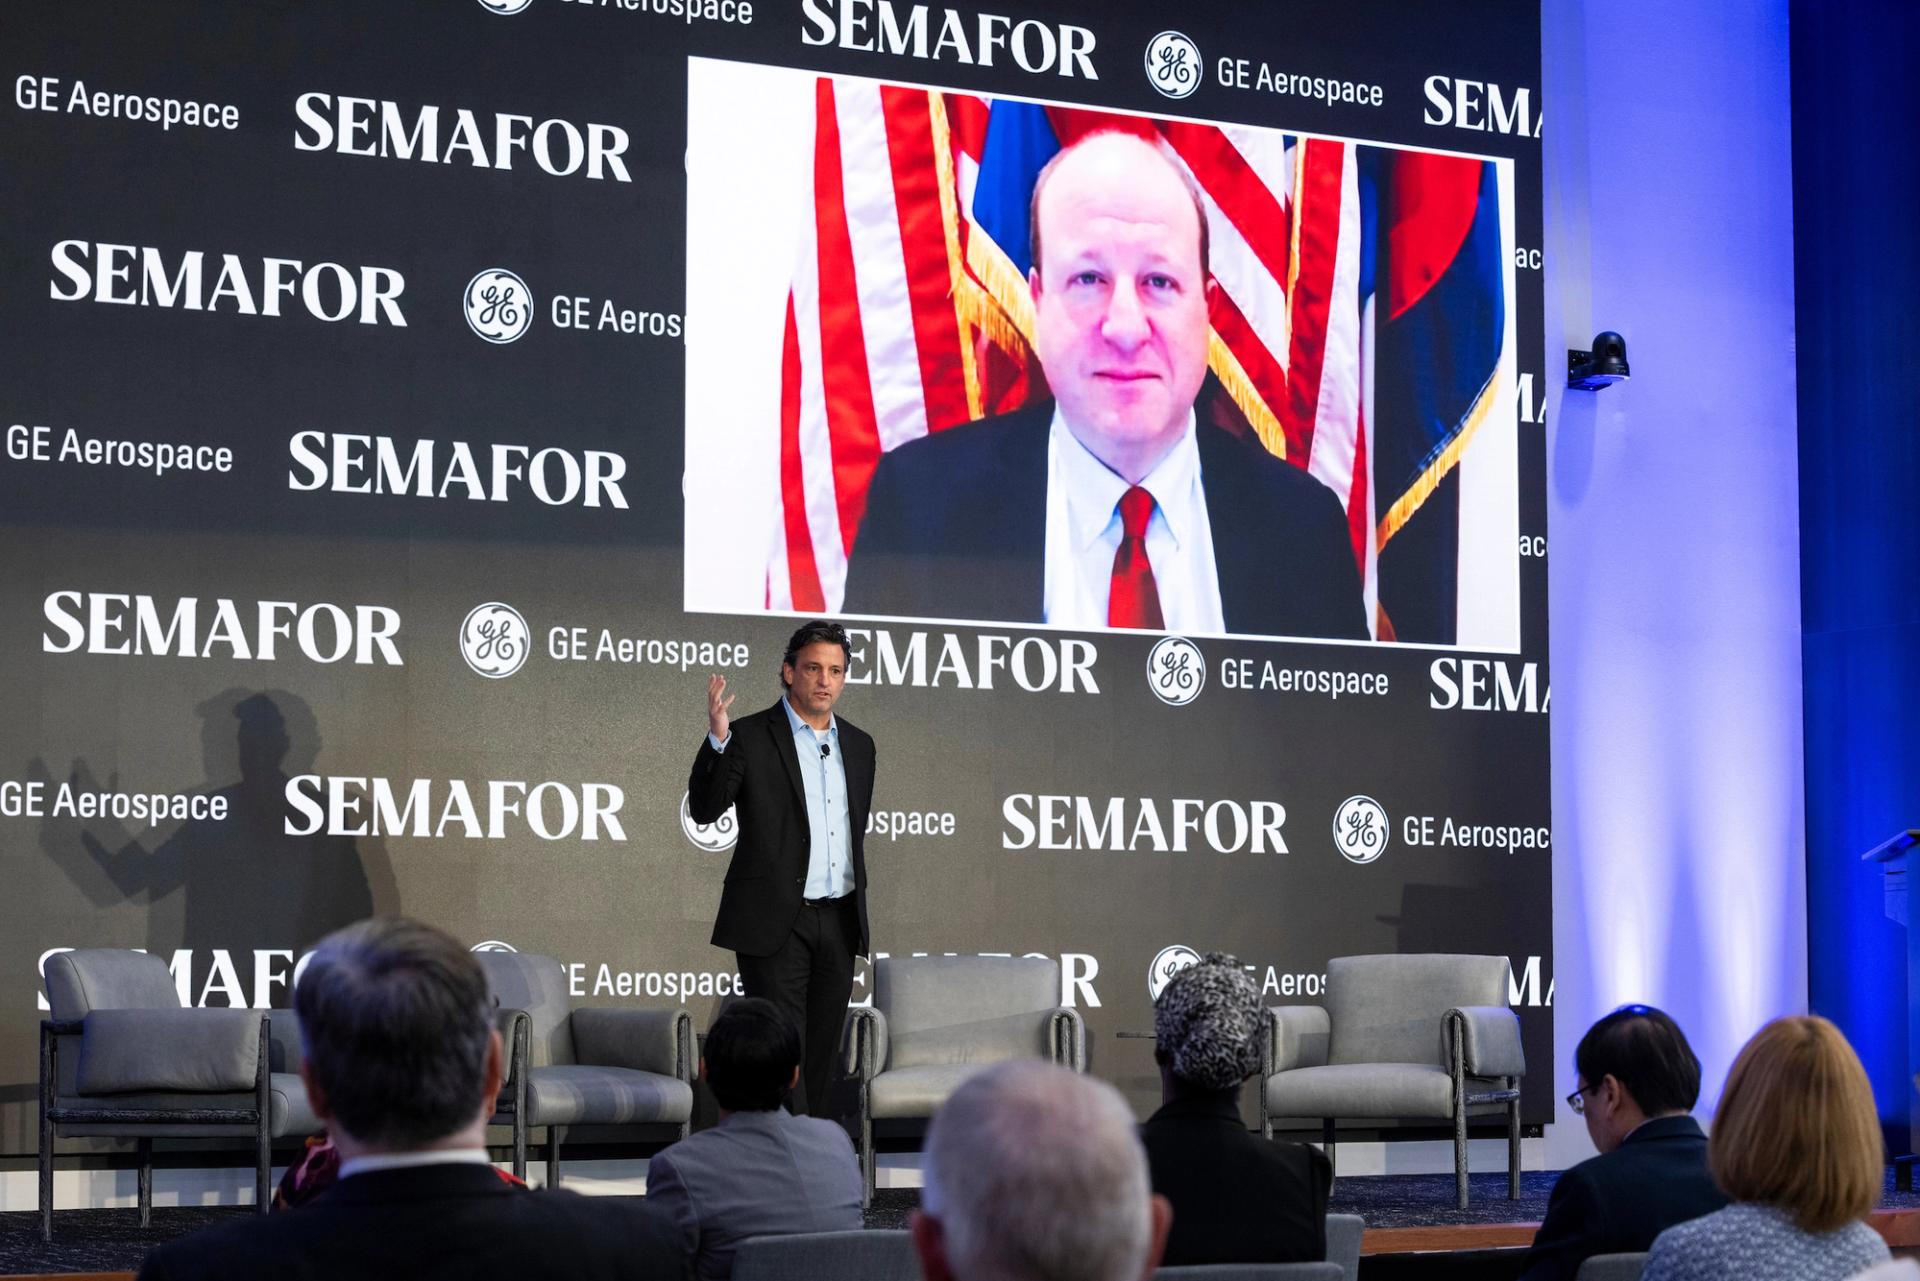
x=811 y=978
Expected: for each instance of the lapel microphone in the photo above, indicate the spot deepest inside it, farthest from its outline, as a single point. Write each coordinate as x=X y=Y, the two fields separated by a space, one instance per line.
x=825 y=751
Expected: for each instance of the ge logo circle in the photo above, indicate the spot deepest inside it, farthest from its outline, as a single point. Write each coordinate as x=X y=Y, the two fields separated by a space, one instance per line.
x=1176 y=672
x=504 y=6
x=1360 y=829
x=712 y=837
x=1169 y=963
x=494 y=640
x=493 y=945
x=1173 y=64
x=499 y=305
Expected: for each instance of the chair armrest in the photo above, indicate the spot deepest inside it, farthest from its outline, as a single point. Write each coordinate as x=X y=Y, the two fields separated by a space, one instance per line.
x=1490 y=1039
x=1067 y=1036
x=867 y=1046
x=648 y=1040
x=178 y=1050
x=1297 y=1037
x=516 y=1030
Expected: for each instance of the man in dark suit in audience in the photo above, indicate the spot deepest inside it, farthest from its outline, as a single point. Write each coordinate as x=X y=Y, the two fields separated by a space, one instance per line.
x=1639 y=1080
x=403 y=1063
x=761 y=1171
x=1236 y=1198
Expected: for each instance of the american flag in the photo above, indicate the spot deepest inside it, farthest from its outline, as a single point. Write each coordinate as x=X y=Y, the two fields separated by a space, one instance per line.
x=909 y=311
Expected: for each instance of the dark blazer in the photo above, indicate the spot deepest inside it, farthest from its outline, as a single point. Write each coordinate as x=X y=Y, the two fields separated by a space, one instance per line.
x=1618 y=1202
x=1236 y=1198
x=760 y=773
x=451 y=1222
x=956 y=527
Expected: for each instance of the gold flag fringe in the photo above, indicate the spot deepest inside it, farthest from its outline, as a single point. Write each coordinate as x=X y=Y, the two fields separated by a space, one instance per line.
x=1409 y=502
x=1233 y=376
x=950 y=225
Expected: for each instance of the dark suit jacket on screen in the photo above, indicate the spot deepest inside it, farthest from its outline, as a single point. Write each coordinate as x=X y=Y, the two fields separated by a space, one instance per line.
x=1618 y=1202
x=431 y=1223
x=760 y=773
x=1236 y=1198
x=755 y=1174
x=956 y=527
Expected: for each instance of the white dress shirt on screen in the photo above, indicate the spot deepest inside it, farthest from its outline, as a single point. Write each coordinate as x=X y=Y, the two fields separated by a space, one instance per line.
x=1084 y=530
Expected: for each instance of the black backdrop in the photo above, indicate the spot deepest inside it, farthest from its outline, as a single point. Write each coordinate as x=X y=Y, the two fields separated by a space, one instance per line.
x=356 y=689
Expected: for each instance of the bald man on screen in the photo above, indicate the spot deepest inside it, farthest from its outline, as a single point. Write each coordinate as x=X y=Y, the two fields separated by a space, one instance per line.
x=1112 y=505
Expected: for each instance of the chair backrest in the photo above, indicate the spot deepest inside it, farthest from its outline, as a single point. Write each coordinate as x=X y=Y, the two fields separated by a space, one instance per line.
x=965 y=1009
x=1612 y=1267
x=1252 y=1272
x=859 y=1255
x=108 y=978
x=1344 y=1232
x=538 y=985
x=1388 y=1009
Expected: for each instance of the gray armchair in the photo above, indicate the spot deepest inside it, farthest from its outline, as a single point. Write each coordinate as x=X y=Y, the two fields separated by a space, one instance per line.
x=1402 y=1038
x=1611 y=1267
x=936 y=1020
x=583 y=1067
x=120 y=1057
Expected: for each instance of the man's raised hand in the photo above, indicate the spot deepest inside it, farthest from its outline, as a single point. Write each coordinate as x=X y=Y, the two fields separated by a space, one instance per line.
x=717 y=708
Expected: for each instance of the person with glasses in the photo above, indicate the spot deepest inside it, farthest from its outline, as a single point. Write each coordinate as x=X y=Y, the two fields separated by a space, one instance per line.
x=1638 y=1082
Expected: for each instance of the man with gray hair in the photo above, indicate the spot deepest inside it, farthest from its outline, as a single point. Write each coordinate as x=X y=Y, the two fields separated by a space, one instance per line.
x=403 y=1063
x=1235 y=1198
x=1034 y=1173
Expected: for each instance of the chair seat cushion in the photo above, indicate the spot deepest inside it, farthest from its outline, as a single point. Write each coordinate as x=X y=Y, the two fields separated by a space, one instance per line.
x=1367 y=1090
x=917 y=1091
x=288 y=1110
x=581 y=1095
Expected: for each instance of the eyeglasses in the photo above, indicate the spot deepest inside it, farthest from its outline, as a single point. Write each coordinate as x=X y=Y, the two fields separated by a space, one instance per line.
x=1578 y=1099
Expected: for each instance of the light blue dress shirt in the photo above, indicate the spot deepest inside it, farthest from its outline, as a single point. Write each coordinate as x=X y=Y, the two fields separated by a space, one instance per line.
x=824 y=779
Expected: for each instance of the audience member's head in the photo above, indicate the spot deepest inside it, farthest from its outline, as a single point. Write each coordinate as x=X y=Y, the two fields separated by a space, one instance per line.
x=1797 y=1128
x=753 y=1056
x=1206 y=1027
x=400 y=1048
x=1034 y=1173
x=1634 y=1064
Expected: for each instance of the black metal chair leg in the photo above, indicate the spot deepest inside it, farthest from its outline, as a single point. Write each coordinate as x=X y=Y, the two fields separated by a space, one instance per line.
x=1513 y=1142
x=553 y=1156
x=144 y=1182
x=46 y=1134
x=262 y=1125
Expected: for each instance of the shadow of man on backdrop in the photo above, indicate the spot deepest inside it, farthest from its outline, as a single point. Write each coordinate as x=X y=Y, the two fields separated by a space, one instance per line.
x=240 y=883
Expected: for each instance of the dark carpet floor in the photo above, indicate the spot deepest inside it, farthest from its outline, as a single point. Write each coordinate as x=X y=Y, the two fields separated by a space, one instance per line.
x=113 y=1241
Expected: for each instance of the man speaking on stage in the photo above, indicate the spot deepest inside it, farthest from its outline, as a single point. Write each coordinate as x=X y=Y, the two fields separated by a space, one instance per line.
x=794 y=906
x=1113 y=506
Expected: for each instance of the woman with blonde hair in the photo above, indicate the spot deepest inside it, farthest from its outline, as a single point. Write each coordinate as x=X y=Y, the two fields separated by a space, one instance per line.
x=1796 y=1144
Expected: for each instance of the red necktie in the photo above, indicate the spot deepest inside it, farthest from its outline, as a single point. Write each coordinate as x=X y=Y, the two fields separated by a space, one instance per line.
x=1132 y=598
